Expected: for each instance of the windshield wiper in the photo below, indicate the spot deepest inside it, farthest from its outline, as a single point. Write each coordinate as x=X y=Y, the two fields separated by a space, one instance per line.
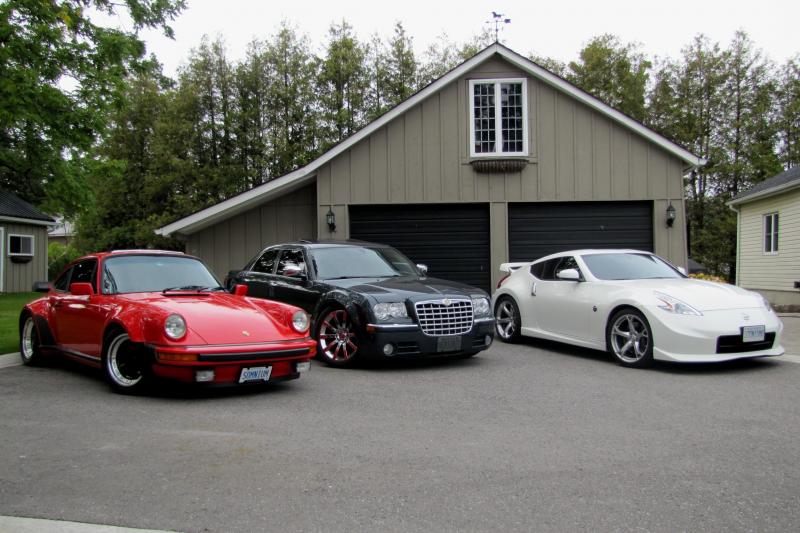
x=197 y=288
x=210 y=289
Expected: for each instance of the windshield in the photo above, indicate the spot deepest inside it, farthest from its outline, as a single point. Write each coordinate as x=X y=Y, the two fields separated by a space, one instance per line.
x=154 y=273
x=629 y=266
x=357 y=262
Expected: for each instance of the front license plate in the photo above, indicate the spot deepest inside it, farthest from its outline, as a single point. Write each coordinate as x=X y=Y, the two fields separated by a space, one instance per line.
x=752 y=333
x=255 y=373
x=448 y=344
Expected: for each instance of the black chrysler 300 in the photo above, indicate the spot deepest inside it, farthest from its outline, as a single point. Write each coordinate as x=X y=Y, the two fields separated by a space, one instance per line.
x=370 y=300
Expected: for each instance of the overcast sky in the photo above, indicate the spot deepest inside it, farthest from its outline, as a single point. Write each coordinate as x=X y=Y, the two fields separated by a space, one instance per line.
x=556 y=29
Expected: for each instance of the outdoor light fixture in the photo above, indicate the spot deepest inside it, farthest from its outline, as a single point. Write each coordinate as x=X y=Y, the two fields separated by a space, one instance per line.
x=670 y=215
x=330 y=218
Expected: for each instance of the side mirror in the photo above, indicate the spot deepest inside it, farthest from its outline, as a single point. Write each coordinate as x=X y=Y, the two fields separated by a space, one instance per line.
x=569 y=274
x=81 y=289
x=682 y=270
x=240 y=290
x=42 y=286
x=423 y=269
x=293 y=270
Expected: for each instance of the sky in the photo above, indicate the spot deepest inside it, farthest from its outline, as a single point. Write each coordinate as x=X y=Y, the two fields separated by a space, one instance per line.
x=555 y=29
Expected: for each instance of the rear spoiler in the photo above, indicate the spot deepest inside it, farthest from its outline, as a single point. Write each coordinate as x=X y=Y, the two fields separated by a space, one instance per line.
x=511 y=267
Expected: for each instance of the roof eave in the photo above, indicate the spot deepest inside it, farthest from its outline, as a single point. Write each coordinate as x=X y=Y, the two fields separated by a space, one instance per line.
x=32 y=221
x=763 y=194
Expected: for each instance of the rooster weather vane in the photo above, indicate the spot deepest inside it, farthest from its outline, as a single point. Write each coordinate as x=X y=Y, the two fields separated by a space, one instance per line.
x=498 y=19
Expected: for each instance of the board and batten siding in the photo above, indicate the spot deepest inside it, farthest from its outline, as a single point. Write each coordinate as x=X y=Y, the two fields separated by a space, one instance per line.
x=232 y=243
x=772 y=274
x=19 y=277
x=575 y=154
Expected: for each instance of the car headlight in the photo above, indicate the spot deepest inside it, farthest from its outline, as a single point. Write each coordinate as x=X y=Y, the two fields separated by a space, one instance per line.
x=175 y=327
x=389 y=310
x=673 y=305
x=481 y=307
x=766 y=304
x=300 y=321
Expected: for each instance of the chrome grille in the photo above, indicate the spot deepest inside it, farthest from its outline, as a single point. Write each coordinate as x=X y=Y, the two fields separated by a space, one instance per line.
x=436 y=318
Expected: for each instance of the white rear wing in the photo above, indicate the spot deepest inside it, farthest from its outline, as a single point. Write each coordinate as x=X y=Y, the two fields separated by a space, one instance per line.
x=511 y=267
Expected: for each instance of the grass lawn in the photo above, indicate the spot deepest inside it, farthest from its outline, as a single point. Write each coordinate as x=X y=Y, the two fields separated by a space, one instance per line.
x=10 y=306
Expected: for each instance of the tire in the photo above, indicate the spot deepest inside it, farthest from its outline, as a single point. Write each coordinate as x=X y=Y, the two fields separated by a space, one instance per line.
x=630 y=339
x=508 y=324
x=29 y=344
x=337 y=338
x=124 y=364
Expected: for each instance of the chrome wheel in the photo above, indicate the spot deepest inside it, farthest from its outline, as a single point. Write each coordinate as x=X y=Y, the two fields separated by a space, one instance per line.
x=29 y=341
x=337 y=338
x=630 y=338
x=507 y=320
x=124 y=365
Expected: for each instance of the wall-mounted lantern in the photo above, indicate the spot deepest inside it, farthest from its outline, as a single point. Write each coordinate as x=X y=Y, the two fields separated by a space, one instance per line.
x=330 y=218
x=671 y=214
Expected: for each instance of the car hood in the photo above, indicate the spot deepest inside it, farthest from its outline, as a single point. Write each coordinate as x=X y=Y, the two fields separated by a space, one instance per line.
x=406 y=287
x=223 y=318
x=702 y=295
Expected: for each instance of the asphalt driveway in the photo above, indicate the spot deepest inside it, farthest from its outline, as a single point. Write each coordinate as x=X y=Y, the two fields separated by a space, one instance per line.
x=536 y=436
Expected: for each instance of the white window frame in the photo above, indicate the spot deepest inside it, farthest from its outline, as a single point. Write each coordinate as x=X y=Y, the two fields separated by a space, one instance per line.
x=498 y=117
x=33 y=245
x=2 y=261
x=775 y=244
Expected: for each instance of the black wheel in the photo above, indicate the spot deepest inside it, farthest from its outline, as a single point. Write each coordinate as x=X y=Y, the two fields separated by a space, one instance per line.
x=337 y=340
x=29 y=345
x=630 y=339
x=124 y=364
x=507 y=320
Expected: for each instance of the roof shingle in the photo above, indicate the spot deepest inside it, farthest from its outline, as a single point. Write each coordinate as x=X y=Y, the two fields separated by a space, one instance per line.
x=793 y=174
x=13 y=206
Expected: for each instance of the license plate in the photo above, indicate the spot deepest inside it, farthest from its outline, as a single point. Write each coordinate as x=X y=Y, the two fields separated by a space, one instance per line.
x=255 y=373
x=448 y=344
x=752 y=333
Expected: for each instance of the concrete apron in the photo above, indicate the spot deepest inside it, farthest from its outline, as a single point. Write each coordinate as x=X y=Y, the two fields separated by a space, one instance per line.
x=9 y=524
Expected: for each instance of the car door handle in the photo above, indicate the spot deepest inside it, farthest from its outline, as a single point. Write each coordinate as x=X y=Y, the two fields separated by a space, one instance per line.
x=533 y=289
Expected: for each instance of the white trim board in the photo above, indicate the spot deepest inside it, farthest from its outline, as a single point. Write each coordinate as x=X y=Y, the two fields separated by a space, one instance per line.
x=301 y=176
x=3 y=260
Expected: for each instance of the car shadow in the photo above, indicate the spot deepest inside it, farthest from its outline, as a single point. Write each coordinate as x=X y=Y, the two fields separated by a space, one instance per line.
x=417 y=363
x=756 y=364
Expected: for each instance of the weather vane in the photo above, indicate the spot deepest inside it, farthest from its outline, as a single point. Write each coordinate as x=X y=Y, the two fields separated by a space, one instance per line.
x=498 y=19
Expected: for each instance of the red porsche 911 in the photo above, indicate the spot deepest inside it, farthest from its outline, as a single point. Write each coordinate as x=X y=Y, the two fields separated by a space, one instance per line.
x=145 y=314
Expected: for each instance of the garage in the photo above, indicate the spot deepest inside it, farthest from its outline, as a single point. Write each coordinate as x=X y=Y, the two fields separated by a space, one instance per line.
x=452 y=240
x=539 y=229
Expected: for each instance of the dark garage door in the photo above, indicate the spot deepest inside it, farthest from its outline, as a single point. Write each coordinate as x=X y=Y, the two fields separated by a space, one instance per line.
x=539 y=229
x=453 y=240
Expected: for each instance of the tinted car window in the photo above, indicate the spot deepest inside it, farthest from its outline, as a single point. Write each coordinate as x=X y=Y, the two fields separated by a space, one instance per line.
x=84 y=272
x=548 y=270
x=629 y=266
x=62 y=281
x=537 y=269
x=358 y=262
x=291 y=257
x=564 y=264
x=152 y=273
x=266 y=263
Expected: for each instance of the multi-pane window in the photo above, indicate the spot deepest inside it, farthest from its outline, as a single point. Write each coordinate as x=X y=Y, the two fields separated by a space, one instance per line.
x=771 y=233
x=498 y=117
x=20 y=245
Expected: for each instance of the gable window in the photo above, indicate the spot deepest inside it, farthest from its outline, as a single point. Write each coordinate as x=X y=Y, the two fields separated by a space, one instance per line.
x=771 y=233
x=20 y=245
x=498 y=117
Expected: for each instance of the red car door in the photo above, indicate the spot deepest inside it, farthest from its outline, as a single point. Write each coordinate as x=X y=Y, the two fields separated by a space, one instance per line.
x=79 y=319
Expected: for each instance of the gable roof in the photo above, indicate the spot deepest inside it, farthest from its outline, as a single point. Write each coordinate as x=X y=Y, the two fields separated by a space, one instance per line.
x=15 y=209
x=774 y=185
x=301 y=176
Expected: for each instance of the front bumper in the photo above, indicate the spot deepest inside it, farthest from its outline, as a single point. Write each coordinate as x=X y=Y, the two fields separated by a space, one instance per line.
x=183 y=363
x=408 y=340
x=711 y=338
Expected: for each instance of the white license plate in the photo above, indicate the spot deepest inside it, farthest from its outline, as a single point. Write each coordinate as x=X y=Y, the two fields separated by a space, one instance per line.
x=255 y=373
x=752 y=333
x=448 y=344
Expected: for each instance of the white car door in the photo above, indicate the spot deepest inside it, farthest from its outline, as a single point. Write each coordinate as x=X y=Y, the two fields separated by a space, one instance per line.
x=563 y=306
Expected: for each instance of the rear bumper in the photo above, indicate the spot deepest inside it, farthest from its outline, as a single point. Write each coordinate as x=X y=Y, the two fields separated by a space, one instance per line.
x=410 y=341
x=182 y=363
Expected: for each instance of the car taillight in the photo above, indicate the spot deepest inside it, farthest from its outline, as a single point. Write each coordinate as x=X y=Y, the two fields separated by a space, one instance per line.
x=502 y=280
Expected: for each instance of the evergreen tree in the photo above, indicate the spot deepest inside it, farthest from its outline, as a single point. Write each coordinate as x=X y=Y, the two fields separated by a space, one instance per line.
x=788 y=113
x=400 y=75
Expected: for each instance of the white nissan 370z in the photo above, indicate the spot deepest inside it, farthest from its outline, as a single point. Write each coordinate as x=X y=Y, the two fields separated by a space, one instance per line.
x=636 y=306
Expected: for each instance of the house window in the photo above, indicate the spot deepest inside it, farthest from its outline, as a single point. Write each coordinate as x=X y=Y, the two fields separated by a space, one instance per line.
x=499 y=113
x=771 y=233
x=20 y=245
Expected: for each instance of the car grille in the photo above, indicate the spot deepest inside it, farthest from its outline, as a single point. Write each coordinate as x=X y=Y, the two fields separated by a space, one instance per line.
x=436 y=318
x=734 y=344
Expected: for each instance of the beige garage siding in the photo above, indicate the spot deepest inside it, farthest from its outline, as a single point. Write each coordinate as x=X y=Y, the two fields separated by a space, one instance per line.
x=231 y=243
x=19 y=277
x=770 y=272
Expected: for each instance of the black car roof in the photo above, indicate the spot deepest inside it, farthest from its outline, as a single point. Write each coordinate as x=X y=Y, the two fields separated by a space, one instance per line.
x=333 y=244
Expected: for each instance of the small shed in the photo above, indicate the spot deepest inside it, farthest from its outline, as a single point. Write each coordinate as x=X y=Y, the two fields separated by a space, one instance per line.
x=768 y=238
x=23 y=234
